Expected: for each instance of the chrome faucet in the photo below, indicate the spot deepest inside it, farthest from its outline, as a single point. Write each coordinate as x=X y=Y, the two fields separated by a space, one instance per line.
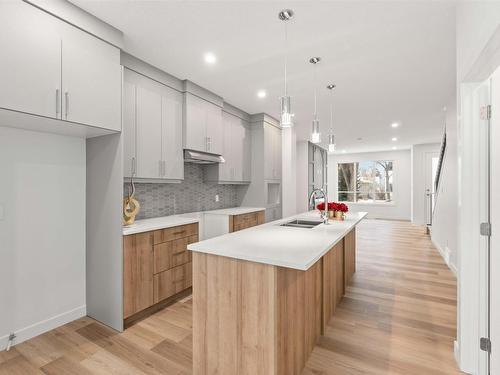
x=324 y=213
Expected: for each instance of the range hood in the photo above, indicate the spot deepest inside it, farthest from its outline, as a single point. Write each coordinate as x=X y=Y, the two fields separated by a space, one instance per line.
x=199 y=157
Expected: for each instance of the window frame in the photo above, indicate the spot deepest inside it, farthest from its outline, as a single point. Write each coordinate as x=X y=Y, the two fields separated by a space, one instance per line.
x=355 y=192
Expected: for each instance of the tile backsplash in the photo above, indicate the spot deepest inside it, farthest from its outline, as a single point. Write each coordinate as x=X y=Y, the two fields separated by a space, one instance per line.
x=191 y=195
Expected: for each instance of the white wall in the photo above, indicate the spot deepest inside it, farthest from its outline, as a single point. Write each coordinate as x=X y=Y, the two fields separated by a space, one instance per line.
x=419 y=201
x=400 y=209
x=42 y=232
x=302 y=175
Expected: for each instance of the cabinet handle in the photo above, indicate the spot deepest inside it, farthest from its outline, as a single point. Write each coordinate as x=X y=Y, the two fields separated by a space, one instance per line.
x=58 y=102
x=179 y=232
x=66 y=97
x=133 y=167
x=159 y=168
x=164 y=168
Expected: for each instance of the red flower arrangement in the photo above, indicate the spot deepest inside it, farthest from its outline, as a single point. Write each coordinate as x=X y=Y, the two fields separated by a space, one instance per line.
x=333 y=206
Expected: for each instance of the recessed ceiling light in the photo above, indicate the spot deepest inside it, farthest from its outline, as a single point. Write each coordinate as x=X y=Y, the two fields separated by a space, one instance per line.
x=261 y=93
x=394 y=139
x=344 y=151
x=394 y=148
x=394 y=124
x=210 y=58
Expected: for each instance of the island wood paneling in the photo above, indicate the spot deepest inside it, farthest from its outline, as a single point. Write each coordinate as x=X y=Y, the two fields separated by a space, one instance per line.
x=333 y=281
x=137 y=272
x=234 y=328
x=253 y=318
x=299 y=316
x=350 y=255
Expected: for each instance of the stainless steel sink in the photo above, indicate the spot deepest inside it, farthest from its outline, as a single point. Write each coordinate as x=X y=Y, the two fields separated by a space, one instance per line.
x=297 y=223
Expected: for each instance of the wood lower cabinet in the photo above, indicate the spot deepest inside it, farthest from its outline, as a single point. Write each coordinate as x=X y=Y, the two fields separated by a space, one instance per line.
x=333 y=281
x=244 y=221
x=172 y=281
x=137 y=273
x=156 y=266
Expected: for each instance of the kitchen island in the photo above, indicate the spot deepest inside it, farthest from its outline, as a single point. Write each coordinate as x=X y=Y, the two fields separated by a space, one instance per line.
x=263 y=296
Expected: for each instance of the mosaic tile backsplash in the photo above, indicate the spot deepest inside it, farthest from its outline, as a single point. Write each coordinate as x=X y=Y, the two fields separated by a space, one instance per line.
x=191 y=195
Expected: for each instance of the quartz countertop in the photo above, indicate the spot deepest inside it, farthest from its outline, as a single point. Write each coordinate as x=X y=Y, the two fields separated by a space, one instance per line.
x=146 y=225
x=271 y=243
x=235 y=211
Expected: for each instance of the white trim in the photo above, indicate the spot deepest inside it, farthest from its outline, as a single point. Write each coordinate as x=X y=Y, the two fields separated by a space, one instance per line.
x=445 y=254
x=43 y=326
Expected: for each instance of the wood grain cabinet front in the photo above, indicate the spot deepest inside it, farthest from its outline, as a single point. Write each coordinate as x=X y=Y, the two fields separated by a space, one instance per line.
x=137 y=273
x=156 y=266
x=244 y=221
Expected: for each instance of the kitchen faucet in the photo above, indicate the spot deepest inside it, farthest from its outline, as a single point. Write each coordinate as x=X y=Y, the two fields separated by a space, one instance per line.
x=324 y=213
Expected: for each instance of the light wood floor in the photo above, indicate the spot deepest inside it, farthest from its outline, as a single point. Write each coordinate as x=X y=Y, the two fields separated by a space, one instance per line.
x=398 y=317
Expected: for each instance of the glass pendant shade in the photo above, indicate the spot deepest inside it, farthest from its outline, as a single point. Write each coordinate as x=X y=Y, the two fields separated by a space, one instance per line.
x=286 y=113
x=315 y=135
x=331 y=143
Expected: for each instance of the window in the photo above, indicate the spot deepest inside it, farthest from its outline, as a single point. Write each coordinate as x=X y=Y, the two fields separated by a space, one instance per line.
x=365 y=181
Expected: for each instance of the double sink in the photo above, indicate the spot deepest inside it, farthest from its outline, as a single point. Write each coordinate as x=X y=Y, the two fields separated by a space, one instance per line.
x=299 y=223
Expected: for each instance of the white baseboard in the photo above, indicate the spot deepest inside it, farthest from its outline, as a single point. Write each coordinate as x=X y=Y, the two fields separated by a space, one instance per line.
x=43 y=326
x=445 y=254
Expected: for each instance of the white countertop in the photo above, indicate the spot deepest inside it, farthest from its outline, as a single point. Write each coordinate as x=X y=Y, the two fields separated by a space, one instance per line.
x=290 y=247
x=146 y=225
x=235 y=211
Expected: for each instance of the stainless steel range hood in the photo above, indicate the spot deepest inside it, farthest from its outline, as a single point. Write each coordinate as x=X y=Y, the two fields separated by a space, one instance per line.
x=199 y=157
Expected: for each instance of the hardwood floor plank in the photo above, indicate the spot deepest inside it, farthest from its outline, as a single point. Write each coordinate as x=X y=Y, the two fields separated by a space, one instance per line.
x=398 y=317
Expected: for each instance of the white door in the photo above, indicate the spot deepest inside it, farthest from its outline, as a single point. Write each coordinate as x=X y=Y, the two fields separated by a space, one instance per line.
x=214 y=128
x=149 y=133
x=91 y=80
x=195 y=123
x=129 y=127
x=30 y=63
x=431 y=160
x=171 y=140
x=495 y=223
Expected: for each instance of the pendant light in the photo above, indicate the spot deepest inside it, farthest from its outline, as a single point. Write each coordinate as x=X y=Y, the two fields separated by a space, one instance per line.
x=331 y=137
x=315 y=135
x=286 y=109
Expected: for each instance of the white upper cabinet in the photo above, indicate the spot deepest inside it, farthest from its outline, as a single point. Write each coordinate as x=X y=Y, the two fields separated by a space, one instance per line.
x=30 y=65
x=272 y=152
x=52 y=69
x=236 y=148
x=91 y=80
x=202 y=125
x=152 y=129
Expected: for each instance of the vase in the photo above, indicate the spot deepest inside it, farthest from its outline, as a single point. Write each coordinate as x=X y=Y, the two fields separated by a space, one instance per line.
x=339 y=215
x=331 y=214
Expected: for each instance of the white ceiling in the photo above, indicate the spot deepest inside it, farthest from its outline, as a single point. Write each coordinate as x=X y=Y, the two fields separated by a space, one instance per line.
x=391 y=60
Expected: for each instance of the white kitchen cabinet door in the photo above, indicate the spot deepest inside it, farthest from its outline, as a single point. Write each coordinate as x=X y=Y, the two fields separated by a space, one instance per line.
x=214 y=128
x=171 y=139
x=227 y=149
x=237 y=136
x=30 y=63
x=129 y=128
x=149 y=133
x=269 y=156
x=195 y=123
x=247 y=153
x=91 y=80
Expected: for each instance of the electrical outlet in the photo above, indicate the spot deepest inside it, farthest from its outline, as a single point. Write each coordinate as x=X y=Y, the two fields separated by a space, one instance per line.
x=217 y=197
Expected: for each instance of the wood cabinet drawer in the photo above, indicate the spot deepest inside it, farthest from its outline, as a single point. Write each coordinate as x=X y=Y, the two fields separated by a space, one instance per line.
x=245 y=221
x=172 y=281
x=169 y=234
x=172 y=253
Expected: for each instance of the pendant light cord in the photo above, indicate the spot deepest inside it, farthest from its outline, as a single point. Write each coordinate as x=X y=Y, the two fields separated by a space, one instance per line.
x=286 y=56
x=331 y=111
x=315 y=95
